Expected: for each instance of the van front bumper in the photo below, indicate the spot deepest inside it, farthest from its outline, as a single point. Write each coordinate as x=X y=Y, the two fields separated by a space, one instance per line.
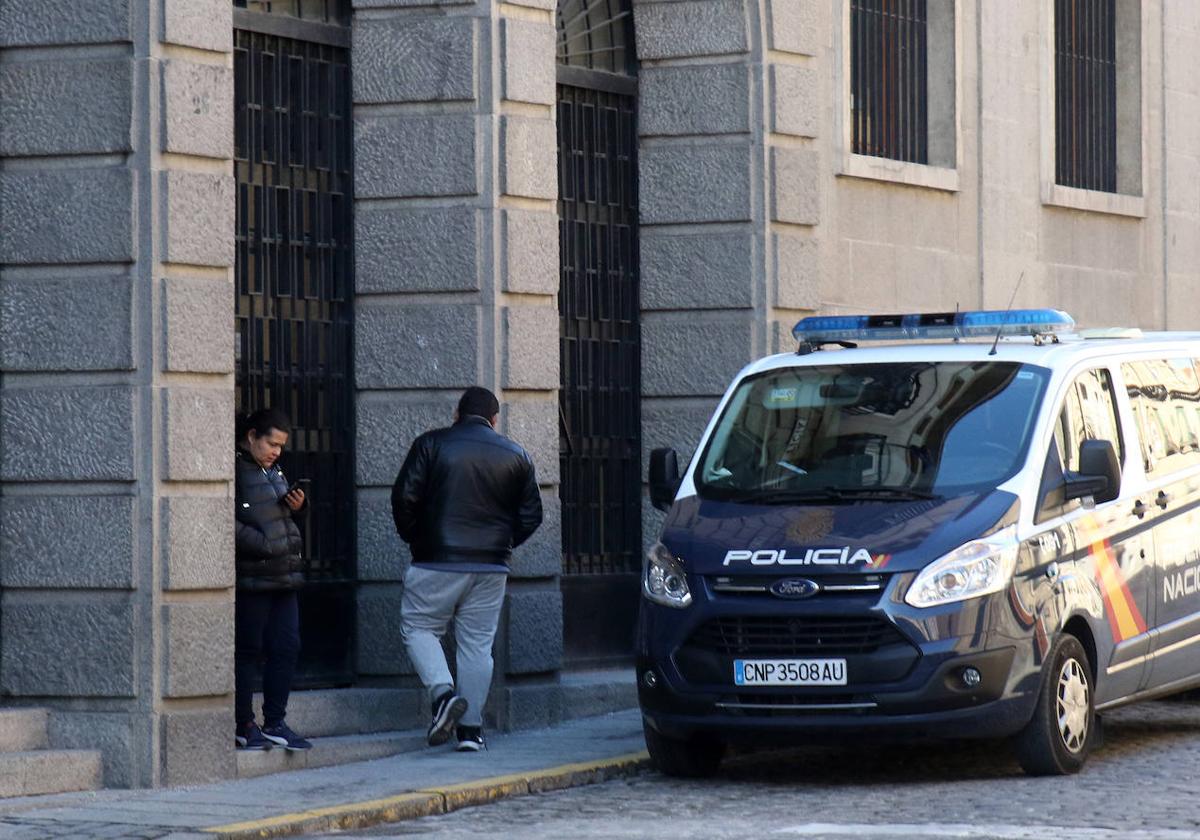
x=943 y=706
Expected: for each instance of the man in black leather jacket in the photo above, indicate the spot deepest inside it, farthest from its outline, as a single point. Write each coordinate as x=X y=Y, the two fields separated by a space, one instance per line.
x=465 y=498
x=269 y=571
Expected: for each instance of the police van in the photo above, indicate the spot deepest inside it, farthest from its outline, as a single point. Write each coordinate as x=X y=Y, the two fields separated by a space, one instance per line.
x=987 y=527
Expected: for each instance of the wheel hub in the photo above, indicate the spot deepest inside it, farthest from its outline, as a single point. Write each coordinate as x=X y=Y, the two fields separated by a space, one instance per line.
x=1072 y=706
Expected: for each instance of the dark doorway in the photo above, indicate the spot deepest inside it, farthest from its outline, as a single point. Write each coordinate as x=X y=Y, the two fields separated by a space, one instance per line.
x=294 y=289
x=600 y=396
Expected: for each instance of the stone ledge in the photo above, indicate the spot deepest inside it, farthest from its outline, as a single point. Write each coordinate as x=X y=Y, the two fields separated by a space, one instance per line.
x=67 y=324
x=67 y=434
x=65 y=107
x=410 y=59
x=75 y=216
x=25 y=23
x=415 y=156
x=690 y=28
x=43 y=772
x=204 y=24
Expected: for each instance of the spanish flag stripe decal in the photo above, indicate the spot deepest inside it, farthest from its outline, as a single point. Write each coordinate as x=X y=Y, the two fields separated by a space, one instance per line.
x=1124 y=618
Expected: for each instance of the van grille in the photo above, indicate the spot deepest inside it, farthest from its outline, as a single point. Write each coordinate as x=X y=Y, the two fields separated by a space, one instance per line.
x=796 y=636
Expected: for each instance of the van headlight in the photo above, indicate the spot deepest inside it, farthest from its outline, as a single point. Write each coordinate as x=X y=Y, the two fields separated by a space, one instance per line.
x=663 y=579
x=977 y=568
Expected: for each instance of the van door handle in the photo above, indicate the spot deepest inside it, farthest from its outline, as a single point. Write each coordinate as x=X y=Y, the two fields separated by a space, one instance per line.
x=1163 y=499
x=1139 y=509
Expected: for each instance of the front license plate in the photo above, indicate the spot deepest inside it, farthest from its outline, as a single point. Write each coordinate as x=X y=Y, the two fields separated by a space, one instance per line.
x=789 y=671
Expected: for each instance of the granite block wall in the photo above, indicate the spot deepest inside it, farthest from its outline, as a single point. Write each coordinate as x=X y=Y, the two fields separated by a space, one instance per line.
x=456 y=270
x=116 y=394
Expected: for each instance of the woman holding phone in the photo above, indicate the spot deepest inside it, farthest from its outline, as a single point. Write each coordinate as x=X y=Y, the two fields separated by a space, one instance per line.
x=269 y=571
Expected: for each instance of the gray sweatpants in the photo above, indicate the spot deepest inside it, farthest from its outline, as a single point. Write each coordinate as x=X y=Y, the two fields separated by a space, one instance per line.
x=473 y=600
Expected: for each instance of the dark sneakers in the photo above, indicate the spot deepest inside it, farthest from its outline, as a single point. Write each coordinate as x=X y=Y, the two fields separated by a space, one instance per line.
x=282 y=735
x=250 y=737
x=470 y=739
x=447 y=710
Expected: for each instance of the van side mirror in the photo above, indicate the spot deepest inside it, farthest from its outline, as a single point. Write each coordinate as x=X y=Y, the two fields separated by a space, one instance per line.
x=1099 y=473
x=664 y=478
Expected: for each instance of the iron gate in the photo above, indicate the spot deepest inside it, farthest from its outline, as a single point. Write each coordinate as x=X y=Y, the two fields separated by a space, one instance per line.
x=294 y=286
x=600 y=440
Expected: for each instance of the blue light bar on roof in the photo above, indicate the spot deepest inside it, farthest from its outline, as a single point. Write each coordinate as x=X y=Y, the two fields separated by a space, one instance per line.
x=819 y=329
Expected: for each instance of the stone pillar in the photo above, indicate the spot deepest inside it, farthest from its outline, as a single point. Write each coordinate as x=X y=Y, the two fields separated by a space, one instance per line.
x=116 y=397
x=730 y=108
x=1181 y=162
x=457 y=258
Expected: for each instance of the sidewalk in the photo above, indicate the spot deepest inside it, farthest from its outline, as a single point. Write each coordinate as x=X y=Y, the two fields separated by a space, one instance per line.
x=431 y=781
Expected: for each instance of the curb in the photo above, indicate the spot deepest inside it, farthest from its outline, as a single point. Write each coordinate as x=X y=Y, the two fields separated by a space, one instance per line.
x=435 y=800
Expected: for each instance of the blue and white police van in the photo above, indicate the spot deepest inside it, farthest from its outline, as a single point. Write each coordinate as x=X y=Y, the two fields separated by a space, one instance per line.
x=992 y=535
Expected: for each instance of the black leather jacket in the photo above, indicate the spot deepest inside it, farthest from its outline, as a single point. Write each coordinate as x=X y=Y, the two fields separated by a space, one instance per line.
x=466 y=494
x=269 y=545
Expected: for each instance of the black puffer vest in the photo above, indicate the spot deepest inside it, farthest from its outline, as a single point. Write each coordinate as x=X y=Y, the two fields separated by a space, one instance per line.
x=269 y=545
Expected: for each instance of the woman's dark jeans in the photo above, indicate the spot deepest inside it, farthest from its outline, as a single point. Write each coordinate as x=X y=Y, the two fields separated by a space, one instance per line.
x=267 y=626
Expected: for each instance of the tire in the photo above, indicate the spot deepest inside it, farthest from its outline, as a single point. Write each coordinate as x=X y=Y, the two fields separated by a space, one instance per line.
x=697 y=757
x=1058 y=738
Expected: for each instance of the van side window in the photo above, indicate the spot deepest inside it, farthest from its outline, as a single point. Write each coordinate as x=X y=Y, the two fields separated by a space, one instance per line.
x=1098 y=411
x=1088 y=413
x=1165 y=397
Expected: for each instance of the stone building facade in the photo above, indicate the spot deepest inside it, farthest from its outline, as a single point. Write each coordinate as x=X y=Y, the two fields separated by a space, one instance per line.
x=118 y=228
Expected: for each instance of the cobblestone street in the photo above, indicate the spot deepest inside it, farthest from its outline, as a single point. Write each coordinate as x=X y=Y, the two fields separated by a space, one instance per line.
x=1140 y=786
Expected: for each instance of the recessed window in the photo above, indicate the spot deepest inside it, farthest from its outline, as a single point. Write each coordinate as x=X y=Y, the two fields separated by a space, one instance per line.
x=596 y=35
x=889 y=85
x=1085 y=96
x=1097 y=95
x=318 y=11
x=899 y=79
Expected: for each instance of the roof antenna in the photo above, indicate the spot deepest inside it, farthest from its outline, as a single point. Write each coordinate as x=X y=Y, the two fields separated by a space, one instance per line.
x=1000 y=328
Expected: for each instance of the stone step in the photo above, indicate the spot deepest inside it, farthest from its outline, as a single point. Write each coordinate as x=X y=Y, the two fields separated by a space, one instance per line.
x=352 y=711
x=49 y=771
x=322 y=713
x=339 y=749
x=23 y=729
x=590 y=693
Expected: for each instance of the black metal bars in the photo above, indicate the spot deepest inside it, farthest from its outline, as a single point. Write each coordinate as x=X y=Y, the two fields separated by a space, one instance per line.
x=320 y=11
x=596 y=35
x=1085 y=94
x=889 y=79
x=293 y=307
x=599 y=310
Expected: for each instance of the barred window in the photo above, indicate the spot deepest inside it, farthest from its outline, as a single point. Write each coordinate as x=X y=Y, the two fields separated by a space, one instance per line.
x=1095 y=52
x=1085 y=96
x=318 y=11
x=889 y=79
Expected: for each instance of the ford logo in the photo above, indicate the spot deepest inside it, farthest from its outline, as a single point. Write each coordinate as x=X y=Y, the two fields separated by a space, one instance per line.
x=795 y=588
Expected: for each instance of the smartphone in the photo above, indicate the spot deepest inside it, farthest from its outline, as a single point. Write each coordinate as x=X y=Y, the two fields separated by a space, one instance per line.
x=299 y=484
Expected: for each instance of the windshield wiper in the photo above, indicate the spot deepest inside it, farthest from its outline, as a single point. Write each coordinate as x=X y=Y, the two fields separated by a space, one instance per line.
x=787 y=497
x=826 y=494
x=885 y=493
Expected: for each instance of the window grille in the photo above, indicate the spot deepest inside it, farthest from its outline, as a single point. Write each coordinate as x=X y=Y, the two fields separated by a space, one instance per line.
x=889 y=80
x=600 y=444
x=318 y=11
x=596 y=35
x=1085 y=101
x=293 y=305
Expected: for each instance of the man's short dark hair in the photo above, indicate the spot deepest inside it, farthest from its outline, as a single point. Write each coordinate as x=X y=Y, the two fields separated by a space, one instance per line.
x=478 y=402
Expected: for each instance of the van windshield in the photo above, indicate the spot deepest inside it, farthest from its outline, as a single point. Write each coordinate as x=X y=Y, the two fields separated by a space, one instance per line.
x=898 y=430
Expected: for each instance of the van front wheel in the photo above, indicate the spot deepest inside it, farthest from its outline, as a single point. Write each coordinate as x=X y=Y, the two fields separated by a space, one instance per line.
x=689 y=758
x=1058 y=738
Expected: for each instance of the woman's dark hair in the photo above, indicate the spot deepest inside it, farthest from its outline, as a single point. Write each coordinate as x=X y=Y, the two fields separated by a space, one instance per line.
x=479 y=402
x=262 y=422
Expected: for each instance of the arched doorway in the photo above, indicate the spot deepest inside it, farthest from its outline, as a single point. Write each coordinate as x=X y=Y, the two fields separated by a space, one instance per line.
x=600 y=396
